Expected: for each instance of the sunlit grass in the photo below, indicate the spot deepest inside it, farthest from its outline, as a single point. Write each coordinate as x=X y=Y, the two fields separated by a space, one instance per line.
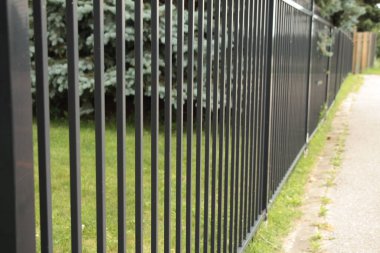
x=284 y=212
x=286 y=208
x=375 y=70
x=60 y=177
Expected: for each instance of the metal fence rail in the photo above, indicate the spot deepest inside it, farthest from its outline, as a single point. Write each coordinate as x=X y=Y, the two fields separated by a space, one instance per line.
x=305 y=82
x=265 y=82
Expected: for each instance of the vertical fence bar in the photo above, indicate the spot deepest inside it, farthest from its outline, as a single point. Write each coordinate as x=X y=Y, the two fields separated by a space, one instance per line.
x=262 y=105
x=139 y=126
x=17 y=224
x=252 y=84
x=262 y=108
x=99 y=126
x=253 y=109
x=233 y=203
x=74 y=121
x=168 y=123
x=274 y=80
x=239 y=131
x=309 y=72
x=154 y=124
x=244 y=182
x=277 y=162
x=214 y=125
x=279 y=98
x=328 y=71
x=271 y=13
x=179 y=123
x=199 y=125
x=276 y=89
x=207 y=125
x=288 y=90
x=43 y=123
x=190 y=103
x=258 y=106
x=228 y=125
x=257 y=109
x=248 y=117
x=284 y=44
x=239 y=177
x=121 y=125
x=222 y=198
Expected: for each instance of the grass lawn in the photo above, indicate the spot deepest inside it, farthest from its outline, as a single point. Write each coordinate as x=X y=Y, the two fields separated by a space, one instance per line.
x=375 y=70
x=61 y=187
x=283 y=213
x=285 y=210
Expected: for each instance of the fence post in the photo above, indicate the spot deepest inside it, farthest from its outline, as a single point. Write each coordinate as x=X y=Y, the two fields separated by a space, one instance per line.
x=328 y=74
x=268 y=101
x=17 y=224
x=311 y=31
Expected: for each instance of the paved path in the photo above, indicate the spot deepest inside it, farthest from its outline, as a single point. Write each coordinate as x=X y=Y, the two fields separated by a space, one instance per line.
x=354 y=212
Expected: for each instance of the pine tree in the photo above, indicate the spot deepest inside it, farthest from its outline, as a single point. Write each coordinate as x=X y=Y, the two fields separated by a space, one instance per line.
x=370 y=20
x=342 y=13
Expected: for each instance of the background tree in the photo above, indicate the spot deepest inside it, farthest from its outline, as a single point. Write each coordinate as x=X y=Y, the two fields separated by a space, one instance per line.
x=342 y=13
x=363 y=15
x=370 y=20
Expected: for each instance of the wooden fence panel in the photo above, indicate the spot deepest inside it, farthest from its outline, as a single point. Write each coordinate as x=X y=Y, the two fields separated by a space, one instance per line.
x=364 y=54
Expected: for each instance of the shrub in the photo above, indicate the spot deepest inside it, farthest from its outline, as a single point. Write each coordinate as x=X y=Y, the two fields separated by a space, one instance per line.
x=57 y=51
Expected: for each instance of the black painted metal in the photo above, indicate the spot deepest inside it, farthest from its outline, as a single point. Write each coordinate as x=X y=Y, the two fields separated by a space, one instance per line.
x=297 y=86
x=267 y=85
x=207 y=131
x=168 y=125
x=155 y=125
x=43 y=124
x=227 y=210
x=121 y=125
x=17 y=225
x=199 y=118
x=215 y=126
x=190 y=126
x=74 y=125
x=179 y=121
x=222 y=200
x=139 y=127
x=100 y=126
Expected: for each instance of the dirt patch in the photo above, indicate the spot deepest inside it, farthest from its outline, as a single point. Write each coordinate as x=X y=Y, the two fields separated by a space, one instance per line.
x=308 y=231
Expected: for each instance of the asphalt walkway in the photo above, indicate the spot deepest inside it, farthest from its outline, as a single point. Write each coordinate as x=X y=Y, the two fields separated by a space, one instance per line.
x=354 y=212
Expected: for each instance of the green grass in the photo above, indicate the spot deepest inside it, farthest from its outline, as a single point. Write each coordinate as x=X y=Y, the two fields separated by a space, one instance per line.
x=61 y=187
x=336 y=162
x=286 y=208
x=323 y=211
x=375 y=70
x=325 y=200
x=315 y=242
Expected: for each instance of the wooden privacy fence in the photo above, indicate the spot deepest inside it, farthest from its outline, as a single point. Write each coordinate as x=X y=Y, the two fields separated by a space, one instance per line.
x=364 y=55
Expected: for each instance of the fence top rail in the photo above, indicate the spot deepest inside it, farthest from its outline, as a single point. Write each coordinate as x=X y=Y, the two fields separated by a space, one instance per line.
x=299 y=7
x=347 y=34
x=316 y=16
x=323 y=21
x=307 y=12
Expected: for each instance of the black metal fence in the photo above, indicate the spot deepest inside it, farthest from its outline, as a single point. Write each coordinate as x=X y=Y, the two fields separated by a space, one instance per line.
x=305 y=82
x=267 y=81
